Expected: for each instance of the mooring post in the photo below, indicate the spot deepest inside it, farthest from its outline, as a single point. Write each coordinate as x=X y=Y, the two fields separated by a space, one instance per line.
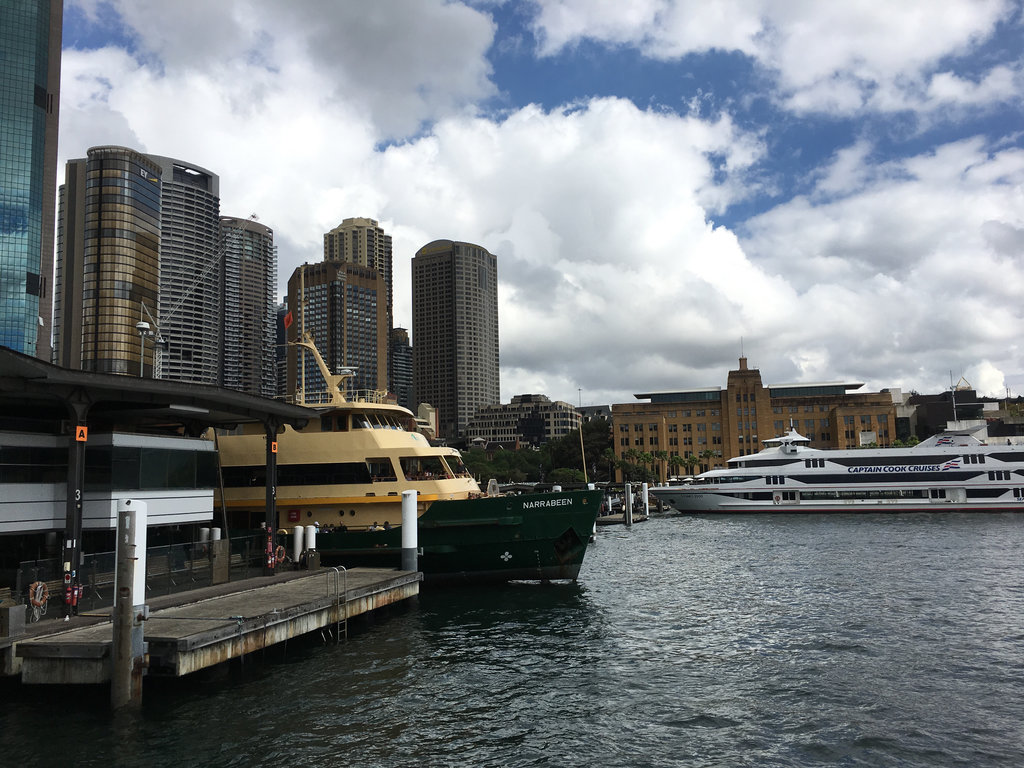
x=127 y=661
x=410 y=522
x=647 y=503
x=627 y=505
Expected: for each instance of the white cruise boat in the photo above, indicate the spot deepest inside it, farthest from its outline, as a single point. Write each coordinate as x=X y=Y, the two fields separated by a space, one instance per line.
x=951 y=472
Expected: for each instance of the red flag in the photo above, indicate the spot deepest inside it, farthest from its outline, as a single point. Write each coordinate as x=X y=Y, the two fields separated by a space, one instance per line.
x=288 y=320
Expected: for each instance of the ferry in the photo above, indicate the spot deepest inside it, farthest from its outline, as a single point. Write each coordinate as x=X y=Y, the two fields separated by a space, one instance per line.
x=344 y=475
x=951 y=472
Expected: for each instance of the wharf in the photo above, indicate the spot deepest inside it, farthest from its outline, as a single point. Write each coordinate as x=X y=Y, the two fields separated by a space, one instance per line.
x=189 y=631
x=620 y=519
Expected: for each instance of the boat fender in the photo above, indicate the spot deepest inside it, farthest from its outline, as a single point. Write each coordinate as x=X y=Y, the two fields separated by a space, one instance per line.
x=38 y=593
x=279 y=554
x=777 y=498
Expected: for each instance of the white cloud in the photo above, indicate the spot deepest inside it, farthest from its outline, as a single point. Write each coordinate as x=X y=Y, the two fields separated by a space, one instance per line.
x=614 y=278
x=907 y=274
x=833 y=57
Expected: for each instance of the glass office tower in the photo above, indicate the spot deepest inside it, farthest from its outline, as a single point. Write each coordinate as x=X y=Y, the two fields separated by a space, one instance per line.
x=30 y=40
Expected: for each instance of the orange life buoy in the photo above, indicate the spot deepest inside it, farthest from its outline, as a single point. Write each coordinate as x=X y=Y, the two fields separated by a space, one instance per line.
x=38 y=593
x=279 y=554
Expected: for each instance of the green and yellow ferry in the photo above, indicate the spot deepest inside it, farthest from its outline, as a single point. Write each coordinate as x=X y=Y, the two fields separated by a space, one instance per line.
x=345 y=474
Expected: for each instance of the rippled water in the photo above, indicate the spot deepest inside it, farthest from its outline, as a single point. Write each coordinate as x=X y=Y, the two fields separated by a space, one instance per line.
x=717 y=641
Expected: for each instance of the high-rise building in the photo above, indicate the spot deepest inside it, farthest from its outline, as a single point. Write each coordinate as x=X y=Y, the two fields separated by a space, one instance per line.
x=342 y=307
x=139 y=241
x=30 y=44
x=400 y=356
x=191 y=272
x=455 y=332
x=281 y=351
x=250 y=280
x=108 y=265
x=362 y=242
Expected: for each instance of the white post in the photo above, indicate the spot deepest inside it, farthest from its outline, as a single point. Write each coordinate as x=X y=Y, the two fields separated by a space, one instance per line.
x=647 y=502
x=128 y=644
x=298 y=542
x=409 y=531
x=627 y=505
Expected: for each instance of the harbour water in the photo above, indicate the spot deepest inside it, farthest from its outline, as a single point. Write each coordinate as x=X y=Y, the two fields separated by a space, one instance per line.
x=874 y=640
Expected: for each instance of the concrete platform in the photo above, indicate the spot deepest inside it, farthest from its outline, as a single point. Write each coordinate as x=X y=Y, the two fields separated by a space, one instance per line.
x=193 y=630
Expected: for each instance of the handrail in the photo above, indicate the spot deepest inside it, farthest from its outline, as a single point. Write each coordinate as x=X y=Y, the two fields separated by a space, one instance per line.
x=340 y=572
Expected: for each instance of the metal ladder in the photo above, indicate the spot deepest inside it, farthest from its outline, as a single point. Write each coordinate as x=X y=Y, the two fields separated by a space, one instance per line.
x=337 y=577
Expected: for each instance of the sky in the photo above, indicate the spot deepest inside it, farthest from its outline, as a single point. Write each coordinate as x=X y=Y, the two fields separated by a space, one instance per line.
x=833 y=190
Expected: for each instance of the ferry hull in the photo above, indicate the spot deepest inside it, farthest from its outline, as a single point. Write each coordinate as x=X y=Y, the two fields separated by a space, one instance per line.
x=503 y=538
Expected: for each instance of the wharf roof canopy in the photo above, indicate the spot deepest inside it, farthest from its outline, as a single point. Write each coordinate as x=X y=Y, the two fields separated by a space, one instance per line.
x=35 y=395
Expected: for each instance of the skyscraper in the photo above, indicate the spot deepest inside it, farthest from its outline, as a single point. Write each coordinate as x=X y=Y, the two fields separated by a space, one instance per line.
x=30 y=44
x=455 y=332
x=342 y=306
x=250 y=319
x=191 y=272
x=108 y=265
x=400 y=355
x=139 y=242
x=362 y=242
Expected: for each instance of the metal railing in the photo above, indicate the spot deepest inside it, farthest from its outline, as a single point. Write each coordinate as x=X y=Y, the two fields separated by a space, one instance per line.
x=169 y=569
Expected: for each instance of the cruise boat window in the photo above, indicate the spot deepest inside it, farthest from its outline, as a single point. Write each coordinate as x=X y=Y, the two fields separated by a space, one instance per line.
x=359 y=421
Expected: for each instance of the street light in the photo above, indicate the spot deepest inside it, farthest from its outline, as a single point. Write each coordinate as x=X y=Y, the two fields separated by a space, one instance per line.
x=143 y=328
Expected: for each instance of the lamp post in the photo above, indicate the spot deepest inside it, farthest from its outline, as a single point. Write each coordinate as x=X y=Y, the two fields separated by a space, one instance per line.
x=143 y=328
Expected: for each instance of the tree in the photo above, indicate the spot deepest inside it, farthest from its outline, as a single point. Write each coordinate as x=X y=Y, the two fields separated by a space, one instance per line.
x=691 y=462
x=707 y=454
x=661 y=457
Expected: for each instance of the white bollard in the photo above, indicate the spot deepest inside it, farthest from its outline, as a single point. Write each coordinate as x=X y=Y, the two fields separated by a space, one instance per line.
x=627 y=505
x=310 y=537
x=409 y=531
x=647 y=502
x=298 y=538
x=215 y=534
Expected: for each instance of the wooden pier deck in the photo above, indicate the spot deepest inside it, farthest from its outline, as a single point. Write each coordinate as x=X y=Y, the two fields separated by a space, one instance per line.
x=190 y=631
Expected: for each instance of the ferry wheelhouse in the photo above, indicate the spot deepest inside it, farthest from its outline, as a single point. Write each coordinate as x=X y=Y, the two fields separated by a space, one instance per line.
x=954 y=471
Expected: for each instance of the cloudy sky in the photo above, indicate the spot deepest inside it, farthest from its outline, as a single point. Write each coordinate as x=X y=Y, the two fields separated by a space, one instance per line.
x=834 y=189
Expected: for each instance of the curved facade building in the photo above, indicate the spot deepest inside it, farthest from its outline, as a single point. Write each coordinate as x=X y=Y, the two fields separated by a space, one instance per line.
x=455 y=332
x=109 y=242
x=250 y=280
x=191 y=272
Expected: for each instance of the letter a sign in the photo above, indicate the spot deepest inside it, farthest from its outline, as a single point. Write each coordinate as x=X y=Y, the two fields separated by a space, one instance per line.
x=81 y=434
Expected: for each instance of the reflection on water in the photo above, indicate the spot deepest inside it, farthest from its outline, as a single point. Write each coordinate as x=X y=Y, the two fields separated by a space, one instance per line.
x=771 y=640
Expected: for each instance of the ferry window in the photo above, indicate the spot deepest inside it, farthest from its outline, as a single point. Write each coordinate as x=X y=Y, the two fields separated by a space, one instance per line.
x=381 y=469
x=457 y=467
x=326 y=423
x=423 y=468
x=359 y=421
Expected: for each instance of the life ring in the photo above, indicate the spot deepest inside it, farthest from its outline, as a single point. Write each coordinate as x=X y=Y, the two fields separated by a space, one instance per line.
x=38 y=593
x=777 y=498
x=279 y=554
